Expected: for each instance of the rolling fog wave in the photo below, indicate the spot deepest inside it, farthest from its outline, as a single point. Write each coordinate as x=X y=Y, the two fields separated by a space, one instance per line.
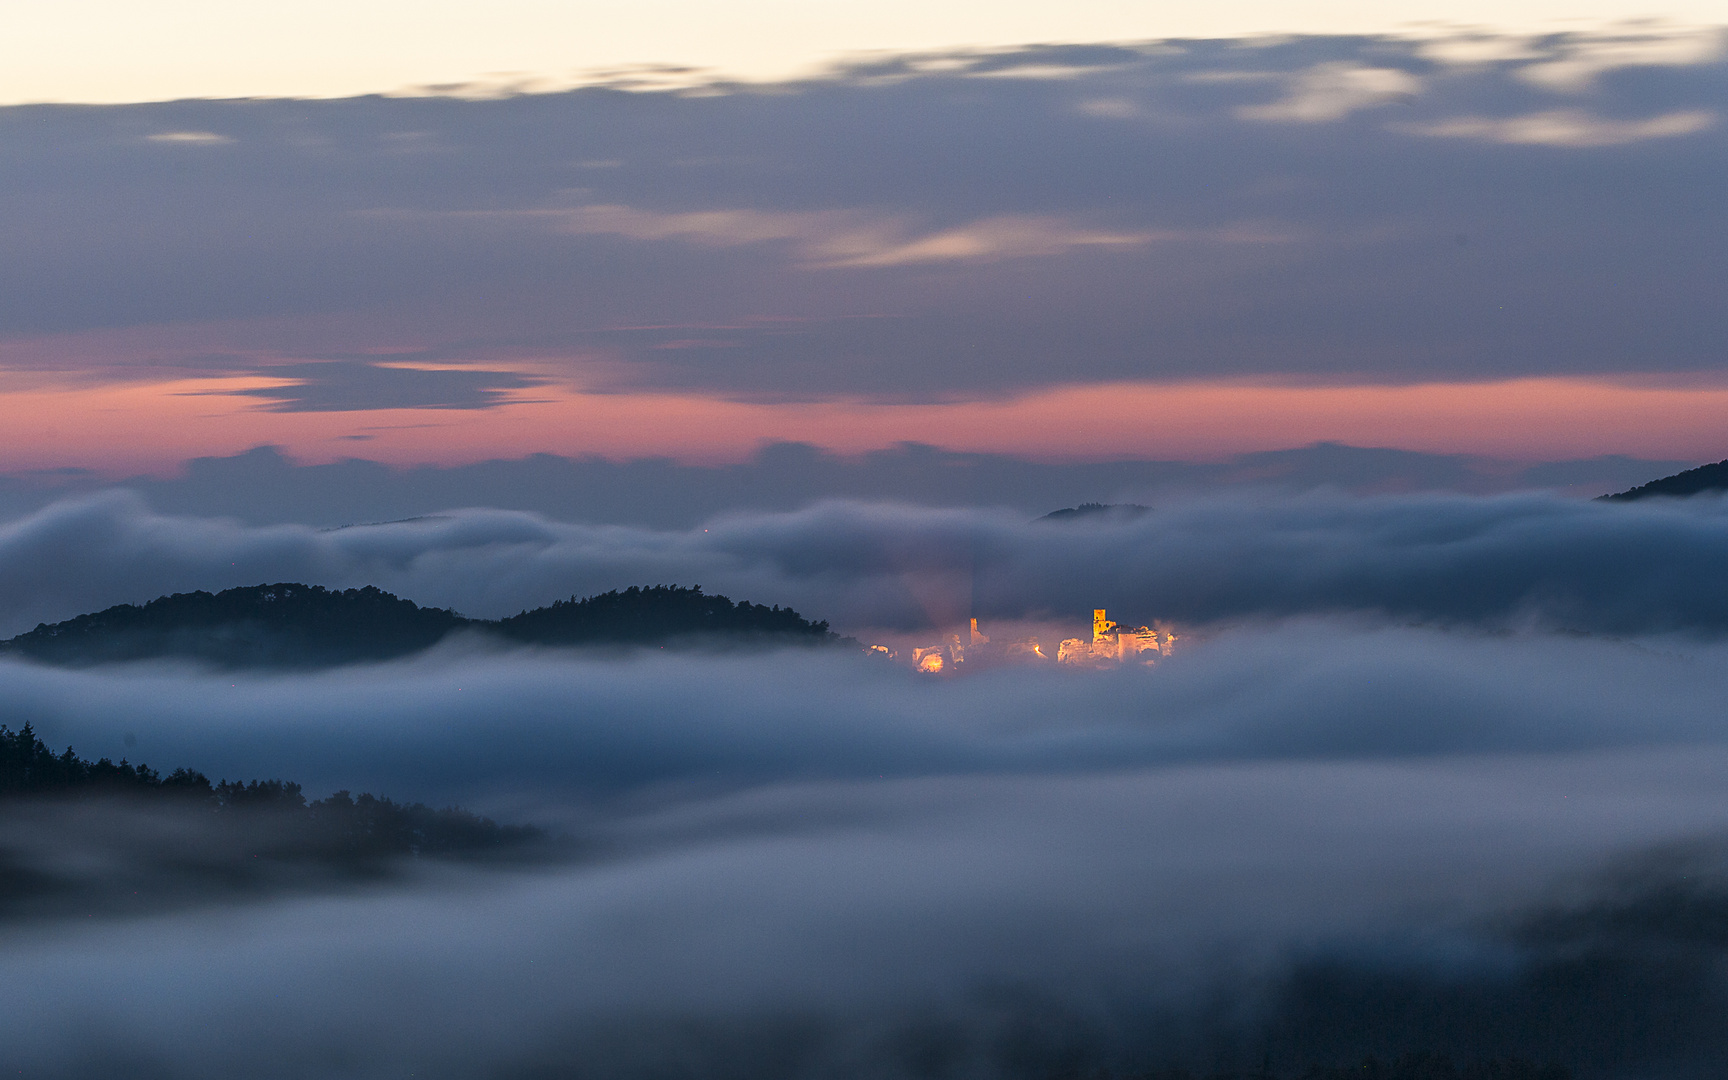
x=1002 y=926
x=507 y=727
x=1367 y=807
x=1308 y=839
x=1503 y=561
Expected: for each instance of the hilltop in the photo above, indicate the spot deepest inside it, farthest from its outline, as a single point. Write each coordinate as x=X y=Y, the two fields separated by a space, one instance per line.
x=289 y=624
x=285 y=624
x=1126 y=511
x=1691 y=482
x=82 y=837
x=639 y=616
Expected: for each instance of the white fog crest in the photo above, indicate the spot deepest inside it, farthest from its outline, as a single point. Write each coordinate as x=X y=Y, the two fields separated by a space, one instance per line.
x=1376 y=791
x=1500 y=561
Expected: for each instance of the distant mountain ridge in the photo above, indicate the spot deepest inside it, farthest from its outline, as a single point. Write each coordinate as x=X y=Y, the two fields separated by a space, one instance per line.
x=1122 y=511
x=1680 y=485
x=289 y=624
x=643 y=616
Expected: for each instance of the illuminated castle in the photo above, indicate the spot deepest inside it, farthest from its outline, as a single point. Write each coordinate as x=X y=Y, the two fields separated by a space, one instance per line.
x=952 y=653
x=1112 y=644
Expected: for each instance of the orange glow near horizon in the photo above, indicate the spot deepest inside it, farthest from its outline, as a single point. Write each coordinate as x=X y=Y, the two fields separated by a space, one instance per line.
x=133 y=428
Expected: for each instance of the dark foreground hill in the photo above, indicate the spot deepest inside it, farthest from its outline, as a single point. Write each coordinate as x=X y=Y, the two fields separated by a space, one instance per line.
x=80 y=837
x=285 y=624
x=294 y=625
x=1691 y=482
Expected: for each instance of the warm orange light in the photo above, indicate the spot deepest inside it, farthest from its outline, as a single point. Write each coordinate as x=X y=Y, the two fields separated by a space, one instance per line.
x=1112 y=644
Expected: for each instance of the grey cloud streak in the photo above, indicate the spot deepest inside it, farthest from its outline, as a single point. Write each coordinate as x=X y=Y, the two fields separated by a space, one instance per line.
x=1495 y=562
x=342 y=386
x=1383 y=209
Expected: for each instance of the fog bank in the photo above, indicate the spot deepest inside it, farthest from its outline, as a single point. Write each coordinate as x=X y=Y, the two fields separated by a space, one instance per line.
x=984 y=927
x=1495 y=562
x=1297 y=841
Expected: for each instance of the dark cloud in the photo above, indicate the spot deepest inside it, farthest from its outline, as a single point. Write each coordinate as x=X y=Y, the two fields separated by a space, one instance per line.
x=346 y=386
x=1357 y=207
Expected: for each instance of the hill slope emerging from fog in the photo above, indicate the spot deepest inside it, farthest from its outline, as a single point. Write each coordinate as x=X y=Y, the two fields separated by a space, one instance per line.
x=1680 y=485
x=293 y=625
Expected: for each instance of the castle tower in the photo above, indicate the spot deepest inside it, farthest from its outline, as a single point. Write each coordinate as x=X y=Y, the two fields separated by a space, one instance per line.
x=1101 y=627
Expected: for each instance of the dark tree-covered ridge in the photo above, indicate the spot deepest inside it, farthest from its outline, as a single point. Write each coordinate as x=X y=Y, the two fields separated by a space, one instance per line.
x=638 y=615
x=293 y=625
x=1093 y=510
x=1680 y=485
x=340 y=826
x=282 y=624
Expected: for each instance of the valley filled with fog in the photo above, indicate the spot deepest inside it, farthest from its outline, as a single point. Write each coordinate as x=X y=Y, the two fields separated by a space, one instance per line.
x=1429 y=772
x=1071 y=551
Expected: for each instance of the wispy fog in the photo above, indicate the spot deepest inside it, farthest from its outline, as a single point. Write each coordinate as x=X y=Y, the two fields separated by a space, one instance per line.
x=1509 y=561
x=1385 y=797
x=1041 y=874
x=263 y=487
x=509 y=728
x=792 y=866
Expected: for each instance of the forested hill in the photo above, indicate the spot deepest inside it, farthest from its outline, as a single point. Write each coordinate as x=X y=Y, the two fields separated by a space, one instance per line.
x=294 y=625
x=1127 y=511
x=1691 y=482
x=80 y=838
x=640 y=616
x=286 y=624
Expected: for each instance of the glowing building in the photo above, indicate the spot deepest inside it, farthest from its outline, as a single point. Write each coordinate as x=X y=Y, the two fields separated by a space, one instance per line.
x=1112 y=644
x=932 y=659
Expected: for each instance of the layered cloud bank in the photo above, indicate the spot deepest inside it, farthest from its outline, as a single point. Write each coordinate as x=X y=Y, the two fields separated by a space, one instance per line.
x=990 y=929
x=263 y=487
x=548 y=728
x=1489 y=562
x=1254 y=243
x=1373 y=805
x=1291 y=845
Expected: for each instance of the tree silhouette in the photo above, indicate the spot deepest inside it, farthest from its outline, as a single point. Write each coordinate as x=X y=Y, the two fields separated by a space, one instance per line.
x=292 y=625
x=341 y=825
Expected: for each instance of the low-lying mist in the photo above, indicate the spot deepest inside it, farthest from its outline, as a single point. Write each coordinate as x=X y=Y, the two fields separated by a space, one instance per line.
x=1410 y=782
x=1505 y=561
x=473 y=722
x=1293 y=842
x=982 y=926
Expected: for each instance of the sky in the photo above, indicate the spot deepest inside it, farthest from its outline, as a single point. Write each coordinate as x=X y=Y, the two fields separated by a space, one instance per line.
x=108 y=51
x=1105 y=232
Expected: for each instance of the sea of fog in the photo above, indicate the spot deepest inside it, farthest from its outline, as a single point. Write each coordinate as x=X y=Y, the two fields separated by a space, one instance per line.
x=1424 y=773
